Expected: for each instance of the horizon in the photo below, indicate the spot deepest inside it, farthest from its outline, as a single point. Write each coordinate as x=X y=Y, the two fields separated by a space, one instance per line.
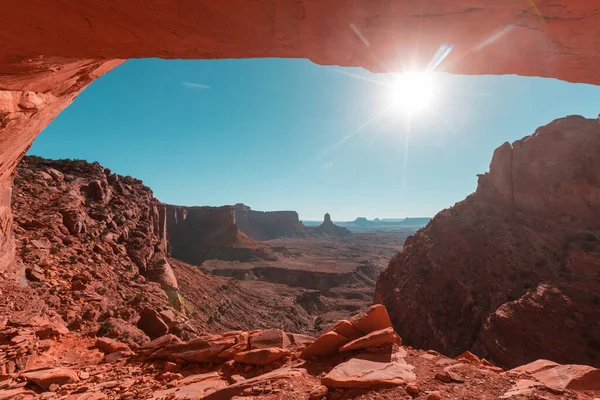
x=280 y=134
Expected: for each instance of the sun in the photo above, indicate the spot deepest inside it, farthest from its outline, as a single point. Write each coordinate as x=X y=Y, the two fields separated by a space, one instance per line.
x=412 y=92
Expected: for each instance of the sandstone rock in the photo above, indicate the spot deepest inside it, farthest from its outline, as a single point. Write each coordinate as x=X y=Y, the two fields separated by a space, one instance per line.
x=120 y=329
x=435 y=395
x=46 y=377
x=365 y=372
x=10 y=394
x=561 y=377
x=109 y=346
x=269 y=338
x=373 y=339
x=203 y=349
x=266 y=225
x=196 y=389
x=197 y=234
x=372 y=319
x=56 y=175
x=327 y=344
x=510 y=259
x=318 y=393
x=469 y=357
x=152 y=324
x=262 y=356
x=299 y=342
x=51 y=330
x=345 y=328
x=282 y=376
x=158 y=344
x=241 y=345
x=523 y=387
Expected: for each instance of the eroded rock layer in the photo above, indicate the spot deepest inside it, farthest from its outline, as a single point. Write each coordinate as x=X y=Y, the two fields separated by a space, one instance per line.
x=265 y=225
x=197 y=234
x=512 y=271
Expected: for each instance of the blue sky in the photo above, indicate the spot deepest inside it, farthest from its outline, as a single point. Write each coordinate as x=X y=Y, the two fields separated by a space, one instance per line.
x=270 y=133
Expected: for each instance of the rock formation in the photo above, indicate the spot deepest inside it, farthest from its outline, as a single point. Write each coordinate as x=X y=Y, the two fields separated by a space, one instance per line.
x=197 y=234
x=81 y=230
x=265 y=225
x=41 y=73
x=330 y=229
x=511 y=272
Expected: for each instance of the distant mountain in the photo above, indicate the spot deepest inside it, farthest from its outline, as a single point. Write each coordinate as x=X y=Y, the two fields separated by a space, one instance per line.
x=362 y=223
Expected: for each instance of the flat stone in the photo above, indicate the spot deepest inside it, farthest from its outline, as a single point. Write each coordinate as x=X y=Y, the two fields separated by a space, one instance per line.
x=295 y=375
x=269 y=338
x=109 y=346
x=191 y=391
x=261 y=356
x=574 y=377
x=368 y=371
x=10 y=394
x=157 y=344
x=326 y=345
x=523 y=387
x=376 y=338
x=46 y=377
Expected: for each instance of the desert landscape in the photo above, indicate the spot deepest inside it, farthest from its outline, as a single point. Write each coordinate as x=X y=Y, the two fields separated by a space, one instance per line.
x=109 y=293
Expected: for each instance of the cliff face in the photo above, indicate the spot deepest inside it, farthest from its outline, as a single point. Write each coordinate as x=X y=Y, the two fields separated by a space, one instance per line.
x=265 y=225
x=91 y=242
x=511 y=272
x=197 y=234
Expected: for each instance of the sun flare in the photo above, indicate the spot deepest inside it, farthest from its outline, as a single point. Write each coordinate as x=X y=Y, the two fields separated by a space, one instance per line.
x=412 y=92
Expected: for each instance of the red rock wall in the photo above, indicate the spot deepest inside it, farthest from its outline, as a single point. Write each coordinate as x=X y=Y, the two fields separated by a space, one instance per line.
x=49 y=51
x=265 y=225
x=32 y=93
x=511 y=272
x=197 y=234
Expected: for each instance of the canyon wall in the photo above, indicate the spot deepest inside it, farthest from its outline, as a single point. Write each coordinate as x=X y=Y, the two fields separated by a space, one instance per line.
x=513 y=271
x=265 y=225
x=197 y=234
x=49 y=51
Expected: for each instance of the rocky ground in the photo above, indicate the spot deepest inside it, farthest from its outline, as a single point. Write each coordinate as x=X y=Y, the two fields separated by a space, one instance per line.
x=360 y=358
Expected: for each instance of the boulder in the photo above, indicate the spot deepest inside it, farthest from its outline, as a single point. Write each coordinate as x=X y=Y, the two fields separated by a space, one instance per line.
x=561 y=377
x=108 y=346
x=46 y=377
x=345 y=328
x=152 y=324
x=261 y=356
x=369 y=371
x=158 y=344
x=373 y=339
x=372 y=319
x=299 y=341
x=326 y=345
x=269 y=338
x=203 y=349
